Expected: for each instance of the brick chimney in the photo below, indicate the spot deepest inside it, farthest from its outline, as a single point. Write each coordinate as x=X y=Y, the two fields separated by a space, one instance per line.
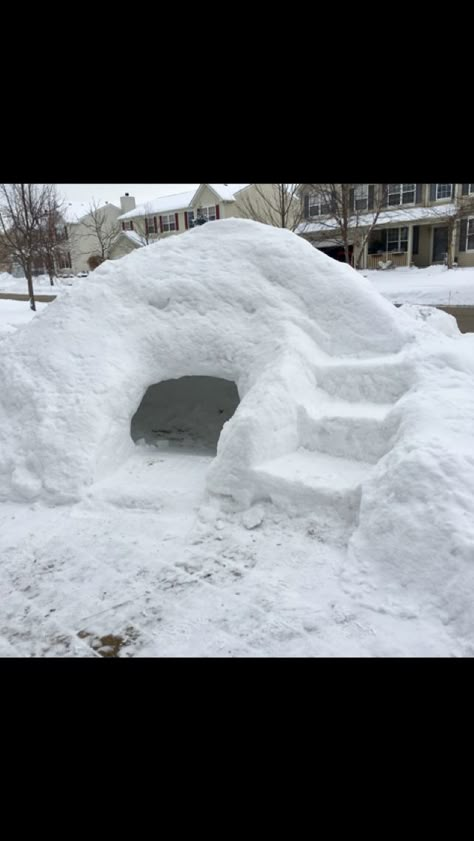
x=127 y=202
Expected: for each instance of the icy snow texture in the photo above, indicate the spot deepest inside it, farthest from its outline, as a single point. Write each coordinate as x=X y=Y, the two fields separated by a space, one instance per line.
x=349 y=408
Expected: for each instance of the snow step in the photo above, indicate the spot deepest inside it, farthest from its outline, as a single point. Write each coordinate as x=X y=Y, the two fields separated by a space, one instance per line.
x=376 y=380
x=361 y=431
x=306 y=480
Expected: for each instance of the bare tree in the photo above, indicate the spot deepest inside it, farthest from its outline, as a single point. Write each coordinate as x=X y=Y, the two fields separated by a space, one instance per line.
x=102 y=229
x=53 y=234
x=23 y=209
x=348 y=211
x=274 y=204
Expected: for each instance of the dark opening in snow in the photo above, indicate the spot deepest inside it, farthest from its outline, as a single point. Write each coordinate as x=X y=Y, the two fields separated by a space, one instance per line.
x=189 y=412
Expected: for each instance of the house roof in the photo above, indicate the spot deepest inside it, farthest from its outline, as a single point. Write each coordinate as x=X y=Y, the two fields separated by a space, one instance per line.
x=74 y=211
x=133 y=237
x=400 y=215
x=182 y=201
x=227 y=192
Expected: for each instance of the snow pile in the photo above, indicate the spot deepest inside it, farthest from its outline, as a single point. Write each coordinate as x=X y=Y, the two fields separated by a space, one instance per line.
x=233 y=299
x=350 y=409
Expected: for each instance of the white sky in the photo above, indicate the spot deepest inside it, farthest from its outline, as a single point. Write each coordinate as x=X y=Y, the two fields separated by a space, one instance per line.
x=112 y=192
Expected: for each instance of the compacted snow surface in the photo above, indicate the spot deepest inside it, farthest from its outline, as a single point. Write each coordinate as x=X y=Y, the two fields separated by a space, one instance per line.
x=229 y=444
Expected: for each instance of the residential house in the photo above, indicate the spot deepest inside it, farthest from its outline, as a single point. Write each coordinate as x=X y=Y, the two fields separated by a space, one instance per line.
x=407 y=224
x=170 y=215
x=88 y=233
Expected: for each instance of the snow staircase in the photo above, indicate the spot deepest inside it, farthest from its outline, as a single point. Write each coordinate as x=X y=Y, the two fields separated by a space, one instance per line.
x=344 y=429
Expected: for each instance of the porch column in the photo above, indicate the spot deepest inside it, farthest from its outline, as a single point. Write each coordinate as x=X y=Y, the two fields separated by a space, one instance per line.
x=365 y=255
x=410 y=246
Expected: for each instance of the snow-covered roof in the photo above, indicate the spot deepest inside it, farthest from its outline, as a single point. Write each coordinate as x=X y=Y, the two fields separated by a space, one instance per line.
x=227 y=192
x=74 y=211
x=163 y=204
x=181 y=201
x=133 y=237
x=400 y=215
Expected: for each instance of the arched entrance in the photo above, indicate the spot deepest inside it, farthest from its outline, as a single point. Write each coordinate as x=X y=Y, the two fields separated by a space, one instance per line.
x=187 y=413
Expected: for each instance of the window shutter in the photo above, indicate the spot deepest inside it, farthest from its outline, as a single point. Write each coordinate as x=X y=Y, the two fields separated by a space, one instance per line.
x=419 y=190
x=352 y=199
x=465 y=189
x=123 y=226
x=306 y=207
x=432 y=192
x=416 y=239
x=218 y=212
x=176 y=216
x=463 y=235
x=131 y=225
x=161 y=224
x=371 y=197
x=186 y=220
x=384 y=195
x=155 y=224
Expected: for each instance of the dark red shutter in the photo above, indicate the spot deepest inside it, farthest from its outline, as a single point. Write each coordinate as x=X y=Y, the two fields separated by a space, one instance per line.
x=155 y=224
x=161 y=224
x=176 y=216
x=131 y=225
x=123 y=226
x=186 y=220
x=218 y=214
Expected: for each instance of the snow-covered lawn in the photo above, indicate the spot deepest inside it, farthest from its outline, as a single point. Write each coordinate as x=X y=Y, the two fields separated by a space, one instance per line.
x=143 y=568
x=14 y=314
x=433 y=285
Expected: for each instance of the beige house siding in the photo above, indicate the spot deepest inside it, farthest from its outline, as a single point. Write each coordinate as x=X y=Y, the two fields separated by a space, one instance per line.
x=121 y=248
x=259 y=200
x=83 y=243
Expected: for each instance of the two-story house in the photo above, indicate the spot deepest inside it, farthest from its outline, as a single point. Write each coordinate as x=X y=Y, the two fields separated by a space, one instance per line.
x=89 y=233
x=170 y=215
x=393 y=224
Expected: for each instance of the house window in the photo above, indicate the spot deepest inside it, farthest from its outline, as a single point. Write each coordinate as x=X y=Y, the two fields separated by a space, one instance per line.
x=470 y=234
x=64 y=261
x=401 y=194
x=444 y=191
x=208 y=213
x=361 y=197
x=397 y=239
x=128 y=225
x=150 y=225
x=169 y=222
x=317 y=206
x=471 y=188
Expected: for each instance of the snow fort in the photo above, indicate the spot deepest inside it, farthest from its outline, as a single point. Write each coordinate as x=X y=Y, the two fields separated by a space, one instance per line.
x=316 y=393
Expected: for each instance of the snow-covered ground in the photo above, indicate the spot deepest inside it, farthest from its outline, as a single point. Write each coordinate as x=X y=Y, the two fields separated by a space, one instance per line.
x=14 y=314
x=146 y=562
x=431 y=286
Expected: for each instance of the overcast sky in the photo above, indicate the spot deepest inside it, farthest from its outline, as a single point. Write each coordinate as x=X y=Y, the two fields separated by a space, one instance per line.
x=112 y=192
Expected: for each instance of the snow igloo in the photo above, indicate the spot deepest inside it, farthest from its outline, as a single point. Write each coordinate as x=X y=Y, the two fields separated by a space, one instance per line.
x=235 y=301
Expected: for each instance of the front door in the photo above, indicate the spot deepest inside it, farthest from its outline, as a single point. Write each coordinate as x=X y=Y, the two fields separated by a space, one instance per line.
x=440 y=244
